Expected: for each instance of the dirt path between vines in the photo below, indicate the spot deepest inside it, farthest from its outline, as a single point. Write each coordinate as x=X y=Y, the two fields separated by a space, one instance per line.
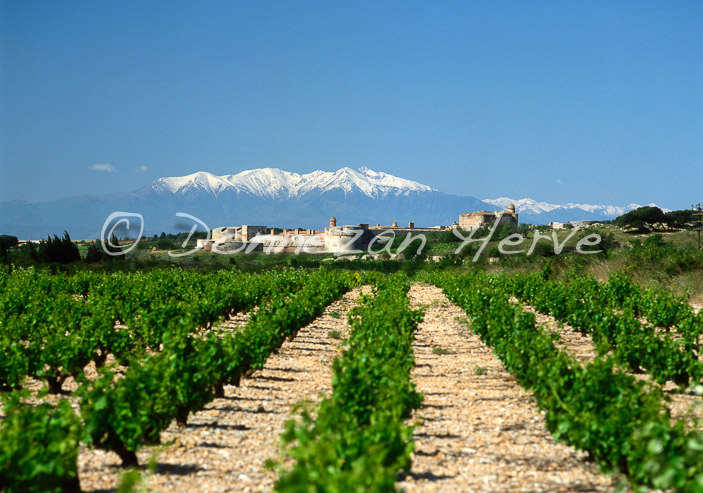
x=570 y=340
x=681 y=406
x=225 y=445
x=480 y=430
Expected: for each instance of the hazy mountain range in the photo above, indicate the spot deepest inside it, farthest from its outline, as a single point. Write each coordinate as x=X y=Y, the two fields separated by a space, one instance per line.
x=535 y=212
x=276 y=198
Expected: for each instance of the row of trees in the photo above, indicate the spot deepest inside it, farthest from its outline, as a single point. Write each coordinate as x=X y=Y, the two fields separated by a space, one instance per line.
x=51 y=250
x=63 y=250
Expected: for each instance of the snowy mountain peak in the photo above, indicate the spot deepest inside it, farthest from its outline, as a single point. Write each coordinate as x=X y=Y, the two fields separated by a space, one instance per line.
x=530 y=206
x=277 y=183
x=200 y=180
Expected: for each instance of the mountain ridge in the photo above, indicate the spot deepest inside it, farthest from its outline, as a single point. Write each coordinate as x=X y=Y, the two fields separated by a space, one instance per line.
x=275 y=182
x=274 y=197
x=533 y=207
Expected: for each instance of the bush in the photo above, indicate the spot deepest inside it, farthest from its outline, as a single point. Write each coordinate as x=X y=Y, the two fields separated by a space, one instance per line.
x=39 y=447
x=681 y=261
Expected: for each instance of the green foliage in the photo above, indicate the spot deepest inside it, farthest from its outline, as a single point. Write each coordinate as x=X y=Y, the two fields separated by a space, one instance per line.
x=59 y=250
x=281 y=318
x=440 y=350
x=95 y=253
x=655 y=254
x=359 y=441
x=9 y=241
x=39 y=447
x=189 y=373
x=127 y=413
x=15 y=363
x=170 y=241
x=641 y=217
x=620 y=422
x=681 y=218
x=524 y=229
x=163 y=325
x=99 y=252
x=130 y=481
x=54 y=325
x=32 y=252
x=445 y=237
x=589 y=307
x=679 y=261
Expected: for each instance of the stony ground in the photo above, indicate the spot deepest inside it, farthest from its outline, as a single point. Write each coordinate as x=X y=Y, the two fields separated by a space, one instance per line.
x=686 y=406
x=224 y=446
x=578 y=345
x=479 y=430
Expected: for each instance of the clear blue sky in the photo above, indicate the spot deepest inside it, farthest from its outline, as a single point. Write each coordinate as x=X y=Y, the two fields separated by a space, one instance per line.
x=593 y=101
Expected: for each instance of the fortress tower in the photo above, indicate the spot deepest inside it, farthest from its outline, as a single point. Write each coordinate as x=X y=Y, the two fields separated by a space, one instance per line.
x=473 y=220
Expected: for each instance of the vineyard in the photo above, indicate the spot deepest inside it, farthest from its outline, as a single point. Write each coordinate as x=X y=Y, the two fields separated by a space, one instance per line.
x=339 y=380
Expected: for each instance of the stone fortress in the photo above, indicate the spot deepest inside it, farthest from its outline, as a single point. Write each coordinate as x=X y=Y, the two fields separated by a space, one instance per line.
x=336 y=239
x=474 y=220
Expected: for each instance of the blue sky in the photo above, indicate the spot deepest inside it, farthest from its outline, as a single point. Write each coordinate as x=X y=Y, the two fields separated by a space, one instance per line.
x=591 y=102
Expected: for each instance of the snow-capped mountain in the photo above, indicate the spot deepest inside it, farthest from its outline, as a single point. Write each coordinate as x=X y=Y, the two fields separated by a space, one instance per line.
x=562 y=212
x=276 y=198
x=275 y=183
x=267 y=196
x=530 y=206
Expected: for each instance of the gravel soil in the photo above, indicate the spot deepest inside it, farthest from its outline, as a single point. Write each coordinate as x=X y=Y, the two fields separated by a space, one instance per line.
x=685 y=406
x=578 y=345
x=479 y=430
x=225 y=445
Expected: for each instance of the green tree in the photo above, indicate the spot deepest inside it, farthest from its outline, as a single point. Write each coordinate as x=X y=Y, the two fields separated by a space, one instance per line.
x=9 y=241
x=93 y=254
x=642 y=217
x=680 y=218
x=33 y=253
x=59 y=250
